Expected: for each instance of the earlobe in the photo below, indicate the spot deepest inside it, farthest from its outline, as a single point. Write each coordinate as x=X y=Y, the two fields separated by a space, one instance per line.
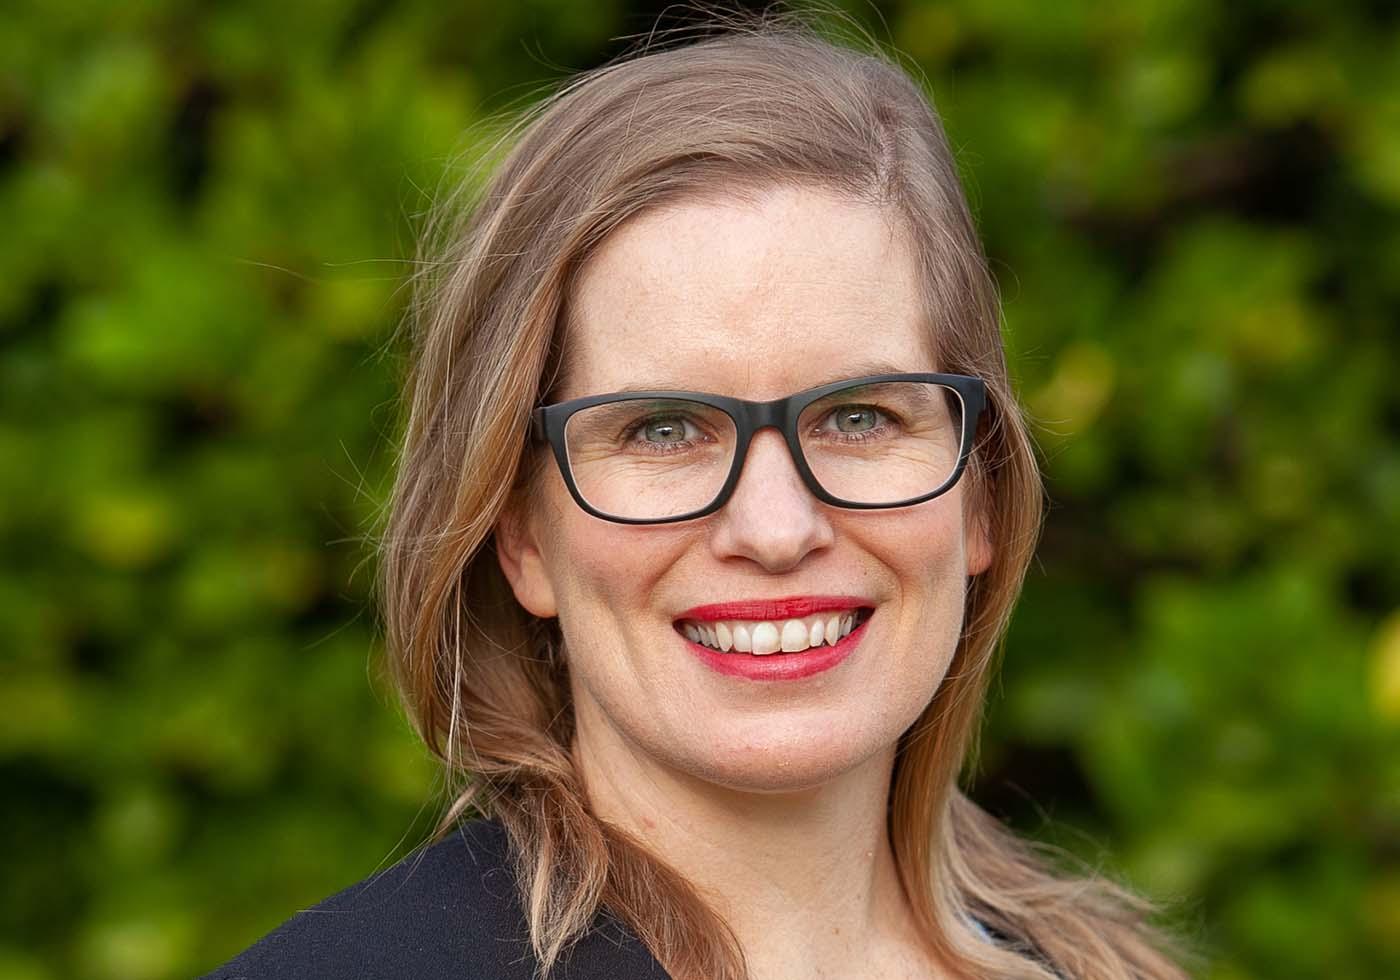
x=518 y=554
x=978 y=544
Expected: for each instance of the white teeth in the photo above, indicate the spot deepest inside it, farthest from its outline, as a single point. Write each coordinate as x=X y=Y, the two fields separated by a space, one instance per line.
x=726 y=640
x=765 y=639
x=789 y=635
x=794 y=636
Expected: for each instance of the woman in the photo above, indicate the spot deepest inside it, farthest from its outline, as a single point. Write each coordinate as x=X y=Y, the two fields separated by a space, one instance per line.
x=713 y=504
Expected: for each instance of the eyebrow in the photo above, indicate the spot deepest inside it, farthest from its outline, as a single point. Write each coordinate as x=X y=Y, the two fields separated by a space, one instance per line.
x=857 y=369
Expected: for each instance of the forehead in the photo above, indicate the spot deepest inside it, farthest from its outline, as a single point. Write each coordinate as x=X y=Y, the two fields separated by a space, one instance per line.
x=756 y=298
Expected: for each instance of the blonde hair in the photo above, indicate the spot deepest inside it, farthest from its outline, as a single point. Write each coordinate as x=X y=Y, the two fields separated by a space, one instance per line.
x=748 y=106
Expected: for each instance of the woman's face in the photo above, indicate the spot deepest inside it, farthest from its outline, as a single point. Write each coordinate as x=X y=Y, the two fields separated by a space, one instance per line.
x=756 y=301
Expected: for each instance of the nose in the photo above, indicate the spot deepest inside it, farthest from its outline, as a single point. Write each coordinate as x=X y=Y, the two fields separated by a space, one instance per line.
x=772 y=518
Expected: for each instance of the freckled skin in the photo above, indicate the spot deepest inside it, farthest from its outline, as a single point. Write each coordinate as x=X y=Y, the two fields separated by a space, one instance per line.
x=757 y=301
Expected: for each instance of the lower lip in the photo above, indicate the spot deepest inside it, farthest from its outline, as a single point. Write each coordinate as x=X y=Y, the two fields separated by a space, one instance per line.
x=779 y=666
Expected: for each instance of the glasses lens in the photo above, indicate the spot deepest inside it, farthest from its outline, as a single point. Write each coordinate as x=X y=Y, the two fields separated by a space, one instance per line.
x=883 y=443
x=646 y=458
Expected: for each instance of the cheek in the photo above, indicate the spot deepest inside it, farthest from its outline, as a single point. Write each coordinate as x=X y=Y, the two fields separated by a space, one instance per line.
x=927 y=556
x=605 y=576
x=945 y=571
x=926 y=546
x=601 y=569
x=587 y=557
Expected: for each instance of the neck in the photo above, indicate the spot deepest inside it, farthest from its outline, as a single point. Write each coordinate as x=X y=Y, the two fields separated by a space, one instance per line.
x=805 y=878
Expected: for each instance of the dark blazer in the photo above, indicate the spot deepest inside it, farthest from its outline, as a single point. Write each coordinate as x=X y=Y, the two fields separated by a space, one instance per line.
x=447 y=911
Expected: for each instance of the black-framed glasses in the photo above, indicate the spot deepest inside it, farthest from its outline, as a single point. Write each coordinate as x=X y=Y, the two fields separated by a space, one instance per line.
x=653 y=457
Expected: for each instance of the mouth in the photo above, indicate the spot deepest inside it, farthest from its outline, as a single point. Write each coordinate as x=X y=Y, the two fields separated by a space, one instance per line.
x=770 y=637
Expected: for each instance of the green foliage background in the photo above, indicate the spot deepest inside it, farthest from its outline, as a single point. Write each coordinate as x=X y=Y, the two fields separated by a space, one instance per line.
x=1191 y=206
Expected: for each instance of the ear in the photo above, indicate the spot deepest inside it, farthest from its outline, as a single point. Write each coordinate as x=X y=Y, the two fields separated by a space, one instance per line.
x=518 y=552
x=977 y=541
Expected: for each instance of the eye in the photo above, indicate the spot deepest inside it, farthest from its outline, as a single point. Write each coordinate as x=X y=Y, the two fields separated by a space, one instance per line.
x=666 y=429
x=665 y=432
x=855 y=418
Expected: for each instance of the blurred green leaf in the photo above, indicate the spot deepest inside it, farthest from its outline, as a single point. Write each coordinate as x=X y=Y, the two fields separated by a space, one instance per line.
x=210 y=211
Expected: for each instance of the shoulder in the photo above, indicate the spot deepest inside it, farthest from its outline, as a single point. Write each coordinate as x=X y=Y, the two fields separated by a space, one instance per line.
x=447 y=910
x=445 y=904
x=996 y=937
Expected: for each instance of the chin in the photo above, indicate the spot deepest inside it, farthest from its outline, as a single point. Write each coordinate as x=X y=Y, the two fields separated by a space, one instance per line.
x=798 y=762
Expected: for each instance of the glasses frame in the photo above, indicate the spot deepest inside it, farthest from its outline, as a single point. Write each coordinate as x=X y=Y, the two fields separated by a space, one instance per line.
x=548 y=422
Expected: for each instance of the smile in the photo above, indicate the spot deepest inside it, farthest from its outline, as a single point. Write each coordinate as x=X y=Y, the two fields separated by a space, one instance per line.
x=765 y=637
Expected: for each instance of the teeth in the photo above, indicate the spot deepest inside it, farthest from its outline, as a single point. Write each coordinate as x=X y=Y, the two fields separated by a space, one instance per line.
x=795 y=636
x=763 y=638
x=743 y=640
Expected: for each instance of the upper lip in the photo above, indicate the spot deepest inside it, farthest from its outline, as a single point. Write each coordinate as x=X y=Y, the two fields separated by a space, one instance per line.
x=790 y=607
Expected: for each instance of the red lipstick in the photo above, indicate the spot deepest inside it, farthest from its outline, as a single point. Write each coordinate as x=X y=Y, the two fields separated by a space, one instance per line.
x=779 y=666
x=792 y=607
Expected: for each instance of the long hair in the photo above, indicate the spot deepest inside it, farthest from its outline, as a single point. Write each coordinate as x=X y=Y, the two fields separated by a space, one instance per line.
x=766 y=103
